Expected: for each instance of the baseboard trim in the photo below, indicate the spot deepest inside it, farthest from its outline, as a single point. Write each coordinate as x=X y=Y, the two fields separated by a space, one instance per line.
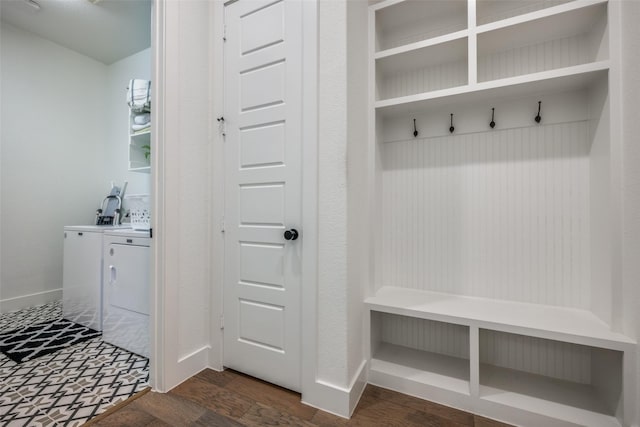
x=357 y=386
x=186 y=367
x=334 y=399
x=30 y=300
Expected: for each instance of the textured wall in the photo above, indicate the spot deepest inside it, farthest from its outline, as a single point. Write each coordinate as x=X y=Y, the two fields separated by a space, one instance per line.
x=332 y=193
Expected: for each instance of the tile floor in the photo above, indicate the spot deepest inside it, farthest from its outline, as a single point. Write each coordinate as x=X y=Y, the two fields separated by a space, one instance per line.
x=68 y=387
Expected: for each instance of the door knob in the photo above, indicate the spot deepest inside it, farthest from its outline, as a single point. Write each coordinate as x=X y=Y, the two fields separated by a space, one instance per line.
x=291 y=234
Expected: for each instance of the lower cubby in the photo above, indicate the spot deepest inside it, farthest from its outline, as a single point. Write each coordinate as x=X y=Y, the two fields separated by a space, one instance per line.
x=409 y=353
x=575 y=383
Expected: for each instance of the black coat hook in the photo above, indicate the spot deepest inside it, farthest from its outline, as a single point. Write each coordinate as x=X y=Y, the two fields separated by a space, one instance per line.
x=538 y=118
x=492 y=124
x=451 y=128
x=415 y=130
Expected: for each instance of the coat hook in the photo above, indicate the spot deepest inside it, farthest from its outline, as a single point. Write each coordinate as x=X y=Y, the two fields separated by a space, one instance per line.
x=451 y=128
x=415 y=130
x=493 y=122
x=220 y=119
x=538 y=118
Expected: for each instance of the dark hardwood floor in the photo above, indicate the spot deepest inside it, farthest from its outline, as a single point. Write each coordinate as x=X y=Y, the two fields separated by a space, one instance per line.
x=232 y=399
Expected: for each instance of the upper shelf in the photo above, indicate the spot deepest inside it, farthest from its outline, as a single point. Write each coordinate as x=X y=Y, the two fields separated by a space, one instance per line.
x=564 y=79
x=543 y=321
x=555 y=43
x=403 y=22
x=578 y=17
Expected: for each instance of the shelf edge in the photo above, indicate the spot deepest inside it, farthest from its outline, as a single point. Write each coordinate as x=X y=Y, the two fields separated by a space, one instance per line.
x=410 y=47
x=495 y=84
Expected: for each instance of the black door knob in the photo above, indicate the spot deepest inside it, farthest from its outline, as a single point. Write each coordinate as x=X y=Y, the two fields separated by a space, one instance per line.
x=291 y=234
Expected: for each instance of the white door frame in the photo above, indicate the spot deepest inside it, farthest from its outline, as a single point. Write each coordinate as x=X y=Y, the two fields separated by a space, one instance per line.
x=157 y=314
x=163 y=305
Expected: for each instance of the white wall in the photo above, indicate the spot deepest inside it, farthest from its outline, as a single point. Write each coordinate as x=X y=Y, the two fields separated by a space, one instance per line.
x=64 y=138
x=342 y=202
x=182 y=190
x=117 y=133
x=332 y=194
x=358 y=222
x=52 y=143
x=631 y=173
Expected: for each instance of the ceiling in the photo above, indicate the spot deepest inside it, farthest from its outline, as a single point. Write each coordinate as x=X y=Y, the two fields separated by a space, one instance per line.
x=107 y=31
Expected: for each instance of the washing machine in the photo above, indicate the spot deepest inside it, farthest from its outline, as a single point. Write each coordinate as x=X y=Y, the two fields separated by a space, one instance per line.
x=127 y=295
x=82 y=274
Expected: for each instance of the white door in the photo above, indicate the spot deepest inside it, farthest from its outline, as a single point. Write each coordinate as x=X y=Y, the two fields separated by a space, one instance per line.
x=262 y=63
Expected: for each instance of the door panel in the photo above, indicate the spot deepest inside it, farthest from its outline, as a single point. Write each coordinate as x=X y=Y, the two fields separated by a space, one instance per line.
x=262 y=62
x=262 y=263
x=262 y=324
x=262 y=146
x=262 y=204
x=262 y=87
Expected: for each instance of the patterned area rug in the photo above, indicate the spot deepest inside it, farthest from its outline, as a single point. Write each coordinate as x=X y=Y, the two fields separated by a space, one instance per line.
x=30 y=342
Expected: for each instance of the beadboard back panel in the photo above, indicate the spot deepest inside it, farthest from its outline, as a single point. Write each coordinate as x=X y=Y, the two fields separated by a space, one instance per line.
x=534 y=58
x=423 y=80
x=502 y=214
x=495 y=10
x=553 y=359
x=426 y=335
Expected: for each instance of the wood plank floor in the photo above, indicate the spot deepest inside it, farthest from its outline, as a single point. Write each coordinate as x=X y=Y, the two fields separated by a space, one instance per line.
x=229 y=398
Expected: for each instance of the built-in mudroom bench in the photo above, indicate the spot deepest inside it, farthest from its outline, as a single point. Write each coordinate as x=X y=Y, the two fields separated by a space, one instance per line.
x=492 y=356
x=495 y=197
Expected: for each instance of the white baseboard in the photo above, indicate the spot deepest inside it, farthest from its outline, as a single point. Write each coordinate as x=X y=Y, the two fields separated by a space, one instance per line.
x=334 y=399
x=186 y=367
x=24 y=301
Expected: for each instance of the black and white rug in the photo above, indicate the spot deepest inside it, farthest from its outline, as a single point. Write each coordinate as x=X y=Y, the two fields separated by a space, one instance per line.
x=30 y=342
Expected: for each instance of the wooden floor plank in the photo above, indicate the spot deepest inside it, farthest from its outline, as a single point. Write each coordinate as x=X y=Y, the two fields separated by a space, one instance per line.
x=210 y=418
x=270 y=395
x=219 y=378
x=214 y=398
x=232 y=399
x=130 y=416
x=260 y=415
x=170 y=408
x=455 y=415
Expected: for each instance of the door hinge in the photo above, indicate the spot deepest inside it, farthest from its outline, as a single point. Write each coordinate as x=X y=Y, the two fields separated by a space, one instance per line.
x=151 y=233
x=222 y=226
x=224 y=33
x=221 y=322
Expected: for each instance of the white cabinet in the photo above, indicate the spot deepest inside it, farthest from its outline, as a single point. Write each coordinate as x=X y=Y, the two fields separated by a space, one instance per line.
x=494 y=245
x=127 y=290
x=82 y=277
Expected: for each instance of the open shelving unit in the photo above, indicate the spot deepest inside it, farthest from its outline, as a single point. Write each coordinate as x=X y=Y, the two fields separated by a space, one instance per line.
x=492 y=288
x=137 y=160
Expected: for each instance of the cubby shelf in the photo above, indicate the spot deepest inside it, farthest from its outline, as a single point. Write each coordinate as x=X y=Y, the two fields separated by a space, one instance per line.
x=422 y=367
x=557 y=323
x=564 y=400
